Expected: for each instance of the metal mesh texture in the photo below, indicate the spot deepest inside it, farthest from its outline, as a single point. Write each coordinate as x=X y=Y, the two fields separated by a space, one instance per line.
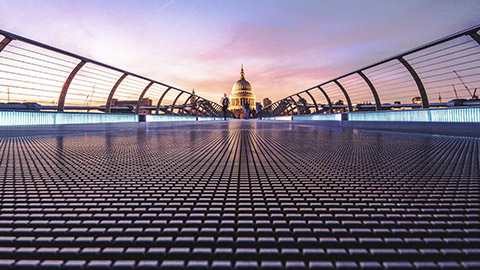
x=238 y=195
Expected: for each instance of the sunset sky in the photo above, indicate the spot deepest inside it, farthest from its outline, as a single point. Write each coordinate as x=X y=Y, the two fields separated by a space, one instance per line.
x=285 y=46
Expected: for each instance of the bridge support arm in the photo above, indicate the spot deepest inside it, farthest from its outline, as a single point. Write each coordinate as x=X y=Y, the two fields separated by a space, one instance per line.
x=208 y=108
x=185 y=104
x=277 y=109
x=280 y=110
x=474 y=35
x=66 y=85
x=349 y=102
x=296 y=106
x=287 y=106
x=157 y=108
x=314 y=101
x=194 y=108
x=378 y=104
x=140 y=98
x=175 y=101
x=4 y=43
x=305 y=105
x=274 y=108
x=108 y=105
x=282 y=106
x=330 y=106
x=218 y=110
x=417 y=80
x=290 y=106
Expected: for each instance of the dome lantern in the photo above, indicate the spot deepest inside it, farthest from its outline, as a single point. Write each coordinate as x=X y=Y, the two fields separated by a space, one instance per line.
x=242 y=74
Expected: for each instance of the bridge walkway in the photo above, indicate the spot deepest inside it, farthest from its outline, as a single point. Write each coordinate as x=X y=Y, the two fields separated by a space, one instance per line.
x=237 y=194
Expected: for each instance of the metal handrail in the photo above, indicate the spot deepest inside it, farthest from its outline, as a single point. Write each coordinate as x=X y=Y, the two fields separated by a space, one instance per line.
x=83 y=60
x=472 y=32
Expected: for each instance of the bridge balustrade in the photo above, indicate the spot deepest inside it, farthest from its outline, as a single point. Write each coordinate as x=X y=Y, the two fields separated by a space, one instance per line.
x=442 y=73
x=37 y=76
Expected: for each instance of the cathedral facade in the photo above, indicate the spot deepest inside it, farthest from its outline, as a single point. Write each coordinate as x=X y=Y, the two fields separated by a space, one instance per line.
x=241 y=93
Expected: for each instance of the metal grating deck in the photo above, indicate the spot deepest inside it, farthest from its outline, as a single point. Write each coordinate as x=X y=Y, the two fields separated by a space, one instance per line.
x=238 y=195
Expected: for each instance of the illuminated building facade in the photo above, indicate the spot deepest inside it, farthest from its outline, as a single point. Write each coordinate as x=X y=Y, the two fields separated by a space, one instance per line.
x=241 y=94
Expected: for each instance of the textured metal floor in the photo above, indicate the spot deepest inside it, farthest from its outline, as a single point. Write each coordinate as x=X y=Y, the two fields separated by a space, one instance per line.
x=243 y=195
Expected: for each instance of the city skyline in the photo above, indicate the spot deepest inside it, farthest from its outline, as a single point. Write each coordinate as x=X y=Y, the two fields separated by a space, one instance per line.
x=285 y=46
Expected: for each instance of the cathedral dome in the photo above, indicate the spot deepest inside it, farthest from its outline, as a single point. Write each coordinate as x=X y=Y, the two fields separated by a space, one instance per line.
x=242 y=87
x=241 y=94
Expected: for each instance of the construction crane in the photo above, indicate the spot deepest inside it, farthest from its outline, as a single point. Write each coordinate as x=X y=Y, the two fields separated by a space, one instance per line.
x=473 y=96
x=455 y=90
x=87 y=103
x=91 y=96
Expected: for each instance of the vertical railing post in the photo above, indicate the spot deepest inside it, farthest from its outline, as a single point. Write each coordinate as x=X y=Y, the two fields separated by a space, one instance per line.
x=140 y=98
x=306 y=107
x=378 y=104
x=417 y=80
x=195 y=108
x=314 y=101
x=185 y=103
x=4 y=43
x=475 y=36
x=208 y=107
x=330 y=105
x=273 y=109
x=299 y=99
x=349 y=102
x=290 y=106
x=281 y=108
x=175 y=101
x=218 y=109
x=66 y=85
x=296 y=106
x=157 y=108
x=212 y=109
x=108 y=105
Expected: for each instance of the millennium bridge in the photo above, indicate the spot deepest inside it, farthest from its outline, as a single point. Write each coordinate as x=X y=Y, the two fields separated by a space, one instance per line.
x=102 y=168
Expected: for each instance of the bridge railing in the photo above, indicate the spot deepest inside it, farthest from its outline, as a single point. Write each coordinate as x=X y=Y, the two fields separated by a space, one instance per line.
x=36 y=76
x=443 y=73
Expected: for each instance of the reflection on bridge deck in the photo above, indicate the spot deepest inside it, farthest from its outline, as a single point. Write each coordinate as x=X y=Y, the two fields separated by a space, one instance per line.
x=237 y=194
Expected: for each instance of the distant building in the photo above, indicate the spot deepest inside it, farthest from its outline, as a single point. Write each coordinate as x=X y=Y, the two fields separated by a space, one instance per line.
x=241 y=94
x=132 y=104
x=417 y=100
x=303 y=106
x=339 y=109
x=193 y=98
x=192 y=107
x=266 y=102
